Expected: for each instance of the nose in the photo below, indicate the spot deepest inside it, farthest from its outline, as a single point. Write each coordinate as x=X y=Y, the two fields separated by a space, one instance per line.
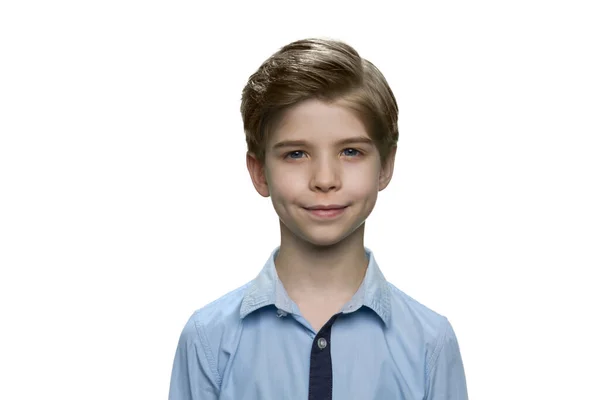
x=325 y=176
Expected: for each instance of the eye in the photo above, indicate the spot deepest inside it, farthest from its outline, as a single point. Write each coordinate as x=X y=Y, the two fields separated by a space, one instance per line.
x=351 y=152
x=296 y=154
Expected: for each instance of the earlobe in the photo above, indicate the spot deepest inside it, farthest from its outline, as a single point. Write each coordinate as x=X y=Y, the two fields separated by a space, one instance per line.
x=257 y=174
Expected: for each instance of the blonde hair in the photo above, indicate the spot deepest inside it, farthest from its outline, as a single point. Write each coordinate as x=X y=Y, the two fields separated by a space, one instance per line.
x=322 y=69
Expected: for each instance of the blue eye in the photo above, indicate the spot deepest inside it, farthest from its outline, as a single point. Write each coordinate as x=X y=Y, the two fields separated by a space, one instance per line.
x=295 y=154
x=351 y=152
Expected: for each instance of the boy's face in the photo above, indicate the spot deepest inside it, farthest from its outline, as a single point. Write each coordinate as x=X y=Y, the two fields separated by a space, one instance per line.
x=320 y=155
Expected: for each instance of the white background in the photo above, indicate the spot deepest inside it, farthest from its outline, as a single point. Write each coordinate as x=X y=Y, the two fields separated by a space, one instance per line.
x=125 y=202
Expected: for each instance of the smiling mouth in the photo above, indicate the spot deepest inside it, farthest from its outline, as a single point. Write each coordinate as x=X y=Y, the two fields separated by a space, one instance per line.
x=326 y=212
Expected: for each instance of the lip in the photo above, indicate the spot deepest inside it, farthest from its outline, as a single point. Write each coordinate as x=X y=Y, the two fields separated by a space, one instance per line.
x=326 y=211
x=326 y=207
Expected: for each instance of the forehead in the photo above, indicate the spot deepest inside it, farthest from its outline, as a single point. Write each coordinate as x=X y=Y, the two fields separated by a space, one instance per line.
x=319 y=122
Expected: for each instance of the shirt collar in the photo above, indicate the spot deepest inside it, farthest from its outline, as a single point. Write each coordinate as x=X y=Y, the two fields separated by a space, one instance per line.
x=267 y=289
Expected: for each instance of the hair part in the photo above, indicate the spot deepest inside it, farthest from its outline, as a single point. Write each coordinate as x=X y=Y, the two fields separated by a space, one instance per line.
x=322 y=69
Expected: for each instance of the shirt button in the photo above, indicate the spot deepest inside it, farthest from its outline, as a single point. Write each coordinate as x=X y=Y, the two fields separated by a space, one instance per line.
x=322 y=343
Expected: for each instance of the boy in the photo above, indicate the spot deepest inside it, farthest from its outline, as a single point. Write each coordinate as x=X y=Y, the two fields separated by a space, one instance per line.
x=319 y=321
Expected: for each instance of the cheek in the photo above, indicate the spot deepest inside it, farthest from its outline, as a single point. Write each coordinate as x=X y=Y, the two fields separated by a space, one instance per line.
x=365 y=191
x=286 y=183
x=363 y=182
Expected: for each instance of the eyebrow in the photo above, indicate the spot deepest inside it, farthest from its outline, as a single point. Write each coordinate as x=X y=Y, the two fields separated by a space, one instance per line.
x=297 y=143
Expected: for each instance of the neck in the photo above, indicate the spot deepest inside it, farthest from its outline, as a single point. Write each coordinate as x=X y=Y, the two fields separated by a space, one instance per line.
x=306 y=269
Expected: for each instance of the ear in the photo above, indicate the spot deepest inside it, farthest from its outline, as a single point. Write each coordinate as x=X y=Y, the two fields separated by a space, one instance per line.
x=257 y=174
x=387 y=170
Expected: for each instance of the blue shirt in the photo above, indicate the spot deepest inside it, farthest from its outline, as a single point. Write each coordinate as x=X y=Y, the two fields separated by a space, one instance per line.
x=254 y=344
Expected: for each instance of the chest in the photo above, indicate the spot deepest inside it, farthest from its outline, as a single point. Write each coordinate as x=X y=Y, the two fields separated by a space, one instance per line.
x=274 y=362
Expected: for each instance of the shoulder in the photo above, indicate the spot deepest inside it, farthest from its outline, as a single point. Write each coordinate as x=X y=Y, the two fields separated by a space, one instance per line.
x=211 y=321
x=406 y=307
x=418 y=322
x=198 y=361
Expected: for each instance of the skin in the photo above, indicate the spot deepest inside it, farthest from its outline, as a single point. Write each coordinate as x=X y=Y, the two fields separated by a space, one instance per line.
x=321 y=262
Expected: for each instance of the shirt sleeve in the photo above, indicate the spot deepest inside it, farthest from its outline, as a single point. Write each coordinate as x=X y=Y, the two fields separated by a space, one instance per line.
x=446 y=375
x=194 y=375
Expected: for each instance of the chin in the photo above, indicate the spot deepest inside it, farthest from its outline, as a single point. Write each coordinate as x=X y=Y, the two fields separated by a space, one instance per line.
x=323 y=241
x=325 y=237
x=322 y=235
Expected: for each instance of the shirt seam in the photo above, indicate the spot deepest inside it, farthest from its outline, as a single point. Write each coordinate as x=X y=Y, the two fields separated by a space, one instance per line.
x=208 y=353
x=432 y=363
